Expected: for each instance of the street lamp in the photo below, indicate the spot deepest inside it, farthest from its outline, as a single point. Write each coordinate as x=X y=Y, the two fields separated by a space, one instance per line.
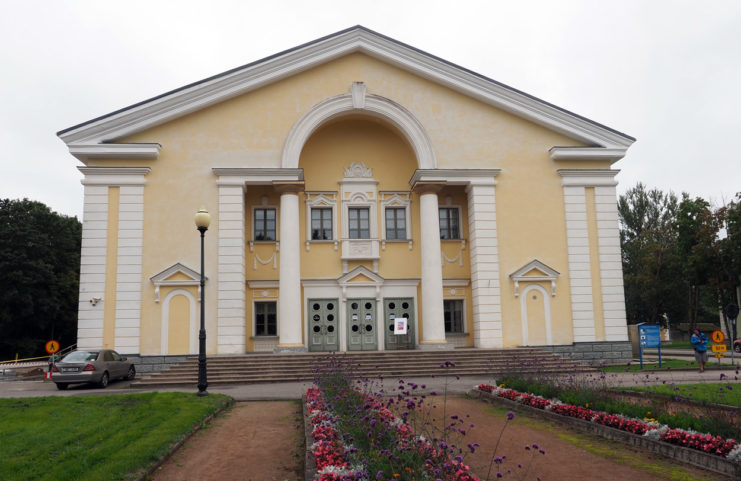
x=203 y=219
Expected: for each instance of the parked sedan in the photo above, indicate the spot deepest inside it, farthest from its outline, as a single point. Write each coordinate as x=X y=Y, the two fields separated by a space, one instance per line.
x=93 y=367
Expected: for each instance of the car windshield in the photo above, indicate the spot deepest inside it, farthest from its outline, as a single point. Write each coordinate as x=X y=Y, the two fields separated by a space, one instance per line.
x=80 y=356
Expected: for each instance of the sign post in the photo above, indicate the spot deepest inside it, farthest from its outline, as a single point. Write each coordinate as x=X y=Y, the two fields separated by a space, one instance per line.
x=52 y=347
x=731 y=311
x=649 y=335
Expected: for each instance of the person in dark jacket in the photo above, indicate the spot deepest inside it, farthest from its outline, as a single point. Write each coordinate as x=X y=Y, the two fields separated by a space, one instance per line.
x=700 y=342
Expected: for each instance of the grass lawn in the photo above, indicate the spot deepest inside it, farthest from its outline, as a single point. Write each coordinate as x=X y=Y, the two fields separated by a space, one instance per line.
x=719 y=393
x=95 y=437
x=677 y=344
x=666 y=364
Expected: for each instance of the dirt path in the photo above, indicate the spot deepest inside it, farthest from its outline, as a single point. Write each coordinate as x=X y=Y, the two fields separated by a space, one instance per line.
x=253 y=441
x=259 y=441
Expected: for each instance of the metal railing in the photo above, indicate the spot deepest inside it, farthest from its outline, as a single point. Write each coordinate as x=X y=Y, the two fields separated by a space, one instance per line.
x=61 y=353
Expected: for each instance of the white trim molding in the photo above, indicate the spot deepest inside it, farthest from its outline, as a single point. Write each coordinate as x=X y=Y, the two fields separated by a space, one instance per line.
x=192 y=331
x=374 y=106
x=321 y=200
x=588 y=177
x=547 y=274
x=85 y=152
x=546 y=310
x=114 y=175
x=161 y=279
x=587 y=153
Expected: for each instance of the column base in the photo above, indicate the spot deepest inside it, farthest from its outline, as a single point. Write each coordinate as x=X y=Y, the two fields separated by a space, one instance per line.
x=435 y=345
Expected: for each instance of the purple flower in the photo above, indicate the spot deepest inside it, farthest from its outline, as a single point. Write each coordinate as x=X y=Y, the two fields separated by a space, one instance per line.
x=510 y=416
x=379 y=475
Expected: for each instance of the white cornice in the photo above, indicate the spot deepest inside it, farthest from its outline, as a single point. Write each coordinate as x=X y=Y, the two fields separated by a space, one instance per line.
x=456 y=176
x=114 y=175
x=115 y=151
x=587 y=153
x=587 y=177
x=358 y=39
x=256 y=176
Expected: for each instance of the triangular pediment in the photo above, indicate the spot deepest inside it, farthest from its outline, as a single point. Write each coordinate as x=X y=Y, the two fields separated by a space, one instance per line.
x=177 y=273
x=360 y=275
x=97 y=137
x=535 y=270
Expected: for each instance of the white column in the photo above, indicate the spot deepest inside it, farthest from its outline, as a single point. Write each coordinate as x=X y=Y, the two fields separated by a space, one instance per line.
x=611 y=267
x=433 y=326
x=580 y=274
x=92 y=267
x=231 y=271
x=289 y=301
x=129 y=270
x=485 y=288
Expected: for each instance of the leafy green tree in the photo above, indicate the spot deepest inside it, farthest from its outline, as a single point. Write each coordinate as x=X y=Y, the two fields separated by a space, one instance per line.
x=651 y=264
x=39 y=262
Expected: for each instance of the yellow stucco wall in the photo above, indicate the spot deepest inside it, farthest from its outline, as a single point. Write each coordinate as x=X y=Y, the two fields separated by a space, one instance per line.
x=250 y=131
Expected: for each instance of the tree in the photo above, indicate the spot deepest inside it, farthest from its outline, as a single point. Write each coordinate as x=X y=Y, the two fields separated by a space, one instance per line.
x=40 y=262
x=651 y=265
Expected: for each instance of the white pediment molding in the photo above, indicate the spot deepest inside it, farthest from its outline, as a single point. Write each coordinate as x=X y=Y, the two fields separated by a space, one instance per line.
x=542 y=273
x=346 y=279
x=162 y=279
x=241 y=80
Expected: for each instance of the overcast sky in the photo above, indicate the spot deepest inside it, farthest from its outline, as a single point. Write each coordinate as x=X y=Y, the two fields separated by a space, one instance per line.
x=665 y=72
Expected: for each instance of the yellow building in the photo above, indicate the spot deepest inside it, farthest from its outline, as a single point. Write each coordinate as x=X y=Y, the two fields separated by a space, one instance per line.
x=357 y=187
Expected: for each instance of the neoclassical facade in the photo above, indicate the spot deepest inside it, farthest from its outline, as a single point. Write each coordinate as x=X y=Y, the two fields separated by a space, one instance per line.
x=364 y=195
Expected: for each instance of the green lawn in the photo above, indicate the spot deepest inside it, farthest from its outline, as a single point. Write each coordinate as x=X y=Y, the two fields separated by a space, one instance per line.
x=718 y=393
x=677 y=345
x=95 y=437
x=666 y=364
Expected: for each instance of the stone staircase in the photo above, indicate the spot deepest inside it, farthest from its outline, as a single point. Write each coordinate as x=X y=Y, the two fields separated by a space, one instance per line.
x=269 y=368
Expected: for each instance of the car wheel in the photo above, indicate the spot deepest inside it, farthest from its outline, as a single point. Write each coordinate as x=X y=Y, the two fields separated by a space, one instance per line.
x=737 y=348
x=132 y=373
x=103 y=380
x=62 y=386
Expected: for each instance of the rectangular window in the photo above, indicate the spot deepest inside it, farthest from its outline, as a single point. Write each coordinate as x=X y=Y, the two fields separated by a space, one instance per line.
x=265 y=319
x=264 y=225
x=358 y=223
x=396 y=224
x=449 y=223
x=453 y=315
x=321 y=224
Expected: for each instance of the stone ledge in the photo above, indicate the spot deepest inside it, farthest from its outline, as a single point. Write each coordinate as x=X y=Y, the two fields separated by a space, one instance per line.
x=686 y=455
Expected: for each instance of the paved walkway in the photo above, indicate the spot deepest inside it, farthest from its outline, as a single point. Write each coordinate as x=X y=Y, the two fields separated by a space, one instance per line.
x=294 y=390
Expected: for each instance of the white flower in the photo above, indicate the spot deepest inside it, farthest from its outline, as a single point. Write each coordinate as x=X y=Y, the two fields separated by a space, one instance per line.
x=735 y=455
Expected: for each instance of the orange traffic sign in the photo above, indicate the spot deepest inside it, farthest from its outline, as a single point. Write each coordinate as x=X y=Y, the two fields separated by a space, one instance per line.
x=52 y=347
x=719 y=348
x=719 y=355
x=718 y=336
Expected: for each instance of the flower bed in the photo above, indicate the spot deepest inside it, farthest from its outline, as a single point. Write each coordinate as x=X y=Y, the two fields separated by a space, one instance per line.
x=707 y=443
x=337 y=459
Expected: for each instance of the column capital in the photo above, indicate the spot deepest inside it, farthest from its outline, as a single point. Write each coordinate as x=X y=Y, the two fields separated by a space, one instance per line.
x=424 y=187
x=288 y=187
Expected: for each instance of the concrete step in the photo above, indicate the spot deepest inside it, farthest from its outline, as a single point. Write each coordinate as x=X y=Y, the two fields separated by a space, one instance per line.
x=266 y=368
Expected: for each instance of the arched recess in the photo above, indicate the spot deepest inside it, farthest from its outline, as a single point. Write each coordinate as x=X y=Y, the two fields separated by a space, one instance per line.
x=359 y=102
x=192 y=332
x=546 y=309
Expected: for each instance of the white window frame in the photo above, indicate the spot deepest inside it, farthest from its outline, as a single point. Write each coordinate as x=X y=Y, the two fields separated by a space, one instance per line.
x=254 y=318
x=396 y=200
x=321 y=200
x=252 y=223
x=460 y=221
x=463 y=315
x=360 y=201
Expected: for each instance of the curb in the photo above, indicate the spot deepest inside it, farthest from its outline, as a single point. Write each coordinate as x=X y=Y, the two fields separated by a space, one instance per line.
x=679 y=453
x=149 y=471
x=309 y=460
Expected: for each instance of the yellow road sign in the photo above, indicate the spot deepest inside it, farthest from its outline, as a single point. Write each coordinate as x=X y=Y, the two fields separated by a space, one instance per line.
x=719 y=348
x=719 y=355
x=718 y=336
x=52 y=347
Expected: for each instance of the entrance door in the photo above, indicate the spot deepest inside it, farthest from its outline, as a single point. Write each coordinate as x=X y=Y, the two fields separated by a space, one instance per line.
x=361 y=325
x=323 y=327
x=395 y=308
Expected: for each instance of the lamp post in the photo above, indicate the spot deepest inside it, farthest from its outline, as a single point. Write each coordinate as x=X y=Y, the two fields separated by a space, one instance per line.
x=203 y=219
